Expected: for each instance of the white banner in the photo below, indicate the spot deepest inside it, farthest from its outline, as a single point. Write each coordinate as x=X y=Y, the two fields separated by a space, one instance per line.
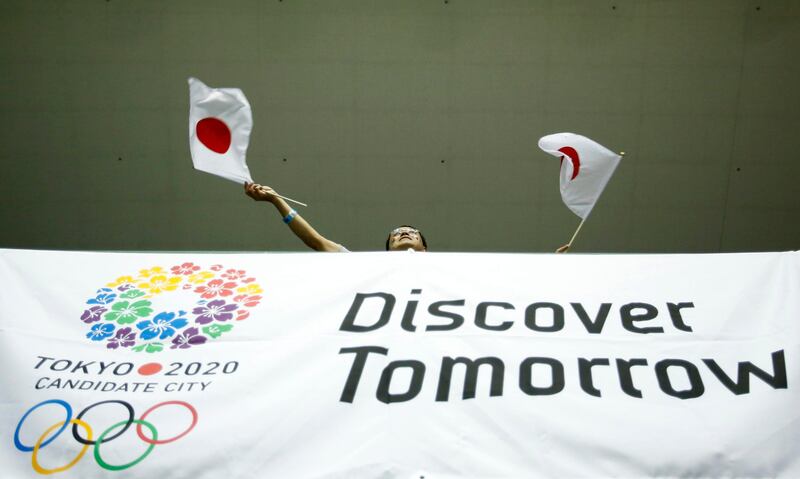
x=398 y=365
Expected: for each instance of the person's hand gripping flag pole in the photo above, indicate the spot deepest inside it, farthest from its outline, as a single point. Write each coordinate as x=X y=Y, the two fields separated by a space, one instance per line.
x=586 y=167
x=220 y=122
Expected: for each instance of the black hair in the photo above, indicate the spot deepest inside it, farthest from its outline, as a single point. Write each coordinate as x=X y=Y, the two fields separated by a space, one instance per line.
x=424 y=243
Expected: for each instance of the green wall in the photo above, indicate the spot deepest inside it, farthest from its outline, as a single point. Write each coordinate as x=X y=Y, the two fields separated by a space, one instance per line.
x=379 y=113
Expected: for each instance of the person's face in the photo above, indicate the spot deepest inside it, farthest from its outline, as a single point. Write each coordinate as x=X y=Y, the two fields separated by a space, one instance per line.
x=403 y=238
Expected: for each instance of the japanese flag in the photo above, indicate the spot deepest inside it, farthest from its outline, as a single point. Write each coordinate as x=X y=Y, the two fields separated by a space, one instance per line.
x=220 y=121
x=586 y=167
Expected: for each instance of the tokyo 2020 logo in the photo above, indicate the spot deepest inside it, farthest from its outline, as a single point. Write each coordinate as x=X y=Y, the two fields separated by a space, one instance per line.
x=85 y=435
x=205 y=304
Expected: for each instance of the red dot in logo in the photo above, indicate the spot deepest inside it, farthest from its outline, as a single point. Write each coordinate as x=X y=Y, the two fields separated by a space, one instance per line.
x=149 y=369
x=214 y=134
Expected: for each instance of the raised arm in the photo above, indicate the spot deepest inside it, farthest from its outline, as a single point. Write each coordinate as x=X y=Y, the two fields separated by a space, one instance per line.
x=297 y=224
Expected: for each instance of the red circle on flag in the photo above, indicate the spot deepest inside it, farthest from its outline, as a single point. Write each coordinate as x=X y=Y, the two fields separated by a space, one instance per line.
x=214 y=134
x=576 y=160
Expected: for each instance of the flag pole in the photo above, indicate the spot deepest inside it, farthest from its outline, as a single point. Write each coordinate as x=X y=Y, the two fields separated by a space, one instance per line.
x=264 y=190
x=291 y=200
x=569 y=245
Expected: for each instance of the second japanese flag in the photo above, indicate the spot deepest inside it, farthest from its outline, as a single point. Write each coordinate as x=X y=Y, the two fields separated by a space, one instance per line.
x=586 y=167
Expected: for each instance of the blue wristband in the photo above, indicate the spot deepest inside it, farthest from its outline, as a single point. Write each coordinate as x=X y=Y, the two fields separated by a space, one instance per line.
x=288 y=218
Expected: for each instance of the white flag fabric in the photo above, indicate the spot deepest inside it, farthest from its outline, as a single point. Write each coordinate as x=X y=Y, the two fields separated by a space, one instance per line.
x=398 y=366
x=220 y=121
x=586 y=167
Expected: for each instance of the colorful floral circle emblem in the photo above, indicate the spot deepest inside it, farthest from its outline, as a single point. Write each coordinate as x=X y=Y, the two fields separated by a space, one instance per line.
x=124 y=314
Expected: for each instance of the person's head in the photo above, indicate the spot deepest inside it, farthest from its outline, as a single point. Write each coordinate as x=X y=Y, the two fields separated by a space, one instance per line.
x=406 y=237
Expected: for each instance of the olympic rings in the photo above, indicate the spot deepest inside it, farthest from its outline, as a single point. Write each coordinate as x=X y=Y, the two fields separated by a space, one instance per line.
x=121 y=432
x=125 y=425
x=35 y=461
x=165 y=441
x=25 y=448
x=55 y=430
